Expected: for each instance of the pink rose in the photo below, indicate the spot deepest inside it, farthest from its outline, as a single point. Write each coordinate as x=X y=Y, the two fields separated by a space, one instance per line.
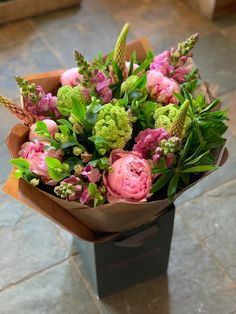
x=161 y=88
x=130 y=179
x=52 y=128
x=71 y=77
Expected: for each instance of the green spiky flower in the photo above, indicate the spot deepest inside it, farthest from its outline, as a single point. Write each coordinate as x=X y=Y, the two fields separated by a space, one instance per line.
x=113 y=125
x=129 y=84
x=184 y=48
x=85 y=68
x=178 y=126
x=119 y=52
x=164 y=116
x=28 y=90
x=64 y=98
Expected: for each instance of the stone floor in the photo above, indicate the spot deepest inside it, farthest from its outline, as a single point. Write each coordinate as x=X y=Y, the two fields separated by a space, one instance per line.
x=40 y=268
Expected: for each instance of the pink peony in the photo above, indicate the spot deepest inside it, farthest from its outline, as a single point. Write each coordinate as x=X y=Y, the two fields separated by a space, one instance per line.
x=52 y=128
x=93 y=174
x=130 y=179
x=148 y=140
x=161 y=88
x=162 y=64
x=102 y=84
x=71 y=77
x=35 y=153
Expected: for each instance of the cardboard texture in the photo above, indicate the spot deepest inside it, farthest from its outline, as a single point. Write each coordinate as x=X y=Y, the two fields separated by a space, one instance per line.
x=82 y=221
x=131 y=257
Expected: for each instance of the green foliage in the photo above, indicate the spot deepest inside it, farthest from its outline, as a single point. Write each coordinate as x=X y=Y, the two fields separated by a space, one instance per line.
x=112 y=129
x=23 y=169
x=96 y=195
x=57 y=170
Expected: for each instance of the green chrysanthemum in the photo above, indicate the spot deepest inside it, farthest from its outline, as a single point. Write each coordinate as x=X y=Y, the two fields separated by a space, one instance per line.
x=64 y=98
x=113 y=125
x=165 y=117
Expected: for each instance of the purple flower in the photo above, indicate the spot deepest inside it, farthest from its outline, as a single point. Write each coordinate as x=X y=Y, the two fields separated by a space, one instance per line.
x=93 y=174
x=47 y=106
x=148 y=140
x=179 y=74
x=102 y=83
x=162 y=64
x=72 y=180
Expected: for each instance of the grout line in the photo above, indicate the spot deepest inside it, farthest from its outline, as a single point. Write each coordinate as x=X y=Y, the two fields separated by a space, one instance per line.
x=32 y=275
x=204 y=247
x=225 y=184
x=45 y=41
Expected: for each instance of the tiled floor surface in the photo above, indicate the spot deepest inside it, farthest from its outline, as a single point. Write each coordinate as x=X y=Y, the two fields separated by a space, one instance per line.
x=40 y=269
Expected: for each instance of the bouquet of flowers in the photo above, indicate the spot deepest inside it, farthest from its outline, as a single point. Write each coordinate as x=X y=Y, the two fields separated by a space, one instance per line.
x=120 y=132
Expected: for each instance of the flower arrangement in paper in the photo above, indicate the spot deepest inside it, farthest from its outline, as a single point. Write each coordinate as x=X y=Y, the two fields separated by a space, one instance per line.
x=120 y=130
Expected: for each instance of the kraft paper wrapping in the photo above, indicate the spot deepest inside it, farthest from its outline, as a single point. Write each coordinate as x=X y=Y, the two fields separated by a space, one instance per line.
x=80 y=220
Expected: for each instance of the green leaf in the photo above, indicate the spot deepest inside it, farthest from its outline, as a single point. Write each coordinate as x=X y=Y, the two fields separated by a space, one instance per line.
x=53 y=162
x=197 y=169
x=173 y=185
x=101 y=144
x=42 y=129
x=143 y=66
x=78 y=109
x=20 y=163
x=132 y=61
x=66 y=123
x=72 y=162
x=161 y=182
x=196 y=159
x=117 y=70
x=141 y=82
x=211 y=106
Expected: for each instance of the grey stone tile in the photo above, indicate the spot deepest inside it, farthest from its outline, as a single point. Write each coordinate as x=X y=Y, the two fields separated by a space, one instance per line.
x=87 y=37
x=68 y=240
x=222 y=175
x=31 y=56
x=58 y=290
x=8 y=121
x=16 y=34
x=229 y=103
x=28 y=245
x=214 y=55
x=12 y=212
x=212 y=219
x=164 y=23
x=194 y=284
x=4 y=164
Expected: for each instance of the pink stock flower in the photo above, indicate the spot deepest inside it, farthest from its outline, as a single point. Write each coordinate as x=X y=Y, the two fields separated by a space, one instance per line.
x=47 y=106
x=102 y=84
x=162 y=64
x=161 y=88
x=93 y=174
x=130 y=179
x=179 y=74
x=71 y=77
x=148 y=140
x=35 y=153
x=85 y=196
